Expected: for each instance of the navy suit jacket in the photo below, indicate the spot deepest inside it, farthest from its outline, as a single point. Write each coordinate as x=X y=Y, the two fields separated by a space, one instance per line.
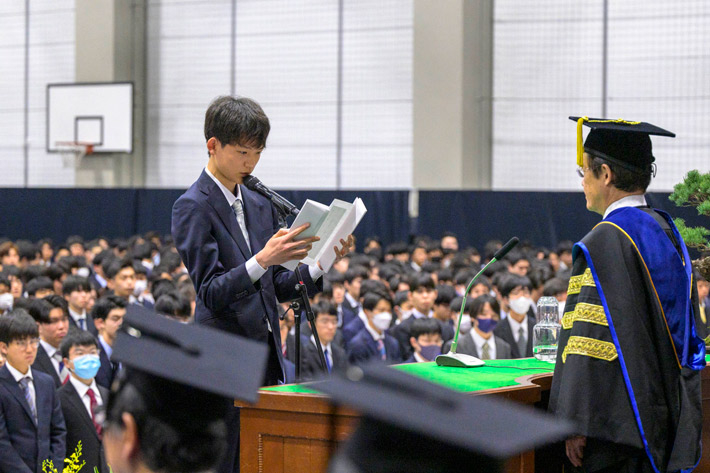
x=504 y=331
x=351 y=330
x=107 y=370
x=44 y=364
x=212 y=246
x=24 y=445
x=363 y=348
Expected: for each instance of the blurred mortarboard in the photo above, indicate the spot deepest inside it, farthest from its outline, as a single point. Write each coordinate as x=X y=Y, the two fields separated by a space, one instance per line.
x=412 y=425
x=186 y=372
x=621 y=142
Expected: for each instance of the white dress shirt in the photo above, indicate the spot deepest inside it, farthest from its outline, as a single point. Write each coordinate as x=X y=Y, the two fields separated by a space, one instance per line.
x=18 y=376
x=478 y=340
x=376 y=336
x=324 y=347
x=254 y=269
x=77 y=317
x=50 y=350
x=628 y=201
x=82 y=389
x=515 y=327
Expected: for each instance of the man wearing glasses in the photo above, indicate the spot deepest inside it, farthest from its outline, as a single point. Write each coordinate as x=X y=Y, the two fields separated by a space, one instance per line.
x=32 y=427
x=629 y=359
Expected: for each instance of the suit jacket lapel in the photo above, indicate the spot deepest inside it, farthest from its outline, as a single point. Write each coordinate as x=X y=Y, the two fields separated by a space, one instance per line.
x=42 y=361
x=78 y=405
x=14 y=388
x=216 y=199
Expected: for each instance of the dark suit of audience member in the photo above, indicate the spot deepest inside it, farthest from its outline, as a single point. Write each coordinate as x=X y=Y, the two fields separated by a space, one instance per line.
x=107 y=371
x=44 y=364
x=402 y=333
x=504 y=331
x=467 y=346
x=351 y=330
x=89 y=321
x=311 y=367
x=363 y=348
x=80 y=427
x=24 y=443
x=349 y=312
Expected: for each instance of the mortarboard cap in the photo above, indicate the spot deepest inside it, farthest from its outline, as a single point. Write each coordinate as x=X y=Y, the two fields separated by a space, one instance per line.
x=412 y=425
x=186 y=372
x=621 y=142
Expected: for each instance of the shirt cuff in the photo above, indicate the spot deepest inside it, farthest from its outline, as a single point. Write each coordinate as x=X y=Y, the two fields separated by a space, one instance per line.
x=315 y=272
x=254 y=269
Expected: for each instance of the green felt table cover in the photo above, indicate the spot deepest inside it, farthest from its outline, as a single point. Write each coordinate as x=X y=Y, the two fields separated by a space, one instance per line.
x=494 y=374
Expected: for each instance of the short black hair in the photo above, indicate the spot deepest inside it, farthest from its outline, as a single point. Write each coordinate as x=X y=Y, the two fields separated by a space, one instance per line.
x=26 y=249
x=555 y=286
x=372 y=285
x=37 y=284
x=57 y=301
x=325 y=307
x=511 y=281
x=237 y=121
x=422 y=280
x=39 y=309
x=77 y=338
x=622 y=178
x=373 y=297
x=75 y=283
x=116 y=266
x=162 y=286
x=424 y=326
x=444 y=294
x=480 y=302
x=173 y=305
x=105 y=305
x=397 y=248
x=17 y=325
x=455 y=305
x=355 y=271
x=335 y=279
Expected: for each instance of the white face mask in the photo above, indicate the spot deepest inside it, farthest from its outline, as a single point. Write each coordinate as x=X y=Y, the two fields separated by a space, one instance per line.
x=6 y=301
x=382 y=320
x=83 y=272
x=465 y=324
x=520 y=305
x=141 y=285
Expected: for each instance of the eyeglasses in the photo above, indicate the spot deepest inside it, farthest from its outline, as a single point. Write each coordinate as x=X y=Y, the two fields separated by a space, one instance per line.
x=33 y=342
x=582 y=171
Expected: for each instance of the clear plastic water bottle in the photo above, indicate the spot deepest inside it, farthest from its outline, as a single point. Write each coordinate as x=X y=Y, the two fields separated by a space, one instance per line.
x=546 y=332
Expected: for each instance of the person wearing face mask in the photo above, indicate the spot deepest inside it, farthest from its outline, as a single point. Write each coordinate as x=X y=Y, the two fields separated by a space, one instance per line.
x=373 y=342
x=426 y=340
x=480 y=341
x=517 y=328
x=81 y=396
x=141 y=295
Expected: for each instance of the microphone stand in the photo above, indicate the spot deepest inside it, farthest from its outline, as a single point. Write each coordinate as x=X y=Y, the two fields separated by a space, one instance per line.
x=304 y=304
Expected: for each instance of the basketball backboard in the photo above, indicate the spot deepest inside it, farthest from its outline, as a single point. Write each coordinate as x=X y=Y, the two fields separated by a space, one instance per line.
x=96 y=113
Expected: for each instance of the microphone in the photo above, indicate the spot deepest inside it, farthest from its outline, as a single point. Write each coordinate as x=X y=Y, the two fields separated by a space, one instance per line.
x=253 y=183
x=459 y=360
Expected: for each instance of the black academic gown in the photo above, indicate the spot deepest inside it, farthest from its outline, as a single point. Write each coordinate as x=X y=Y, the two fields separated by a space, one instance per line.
x=628 y=362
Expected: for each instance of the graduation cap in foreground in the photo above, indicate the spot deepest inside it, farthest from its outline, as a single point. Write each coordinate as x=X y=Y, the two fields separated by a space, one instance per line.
x=185 y=373
x=412 y=425
x=621 y=142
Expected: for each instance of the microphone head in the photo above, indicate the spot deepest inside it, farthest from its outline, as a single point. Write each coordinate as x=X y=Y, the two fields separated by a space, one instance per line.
x=506 y=248
x=251 y=182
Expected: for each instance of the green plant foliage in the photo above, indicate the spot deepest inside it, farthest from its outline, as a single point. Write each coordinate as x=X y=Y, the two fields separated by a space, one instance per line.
x=694 y=237
x=694 y=191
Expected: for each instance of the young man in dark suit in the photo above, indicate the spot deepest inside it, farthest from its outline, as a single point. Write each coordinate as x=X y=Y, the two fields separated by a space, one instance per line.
x=32 y=427
x=108 y=313
x=80 y=398
x=53 y=323
x=517 y=328
x=76 y=291
x=480 y=341
x=422 y=294
x=425 y=339
x=373 y=342
x=229 y=238
x=326 y=322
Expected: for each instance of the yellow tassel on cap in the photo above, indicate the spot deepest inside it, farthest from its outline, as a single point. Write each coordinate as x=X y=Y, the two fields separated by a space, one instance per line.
x=580 y=141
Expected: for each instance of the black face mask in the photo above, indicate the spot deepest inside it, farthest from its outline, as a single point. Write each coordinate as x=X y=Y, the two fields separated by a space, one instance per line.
x=447 y=251
x=436 y=259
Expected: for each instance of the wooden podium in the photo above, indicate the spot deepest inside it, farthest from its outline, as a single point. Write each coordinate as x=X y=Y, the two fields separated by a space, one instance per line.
x=292 y=432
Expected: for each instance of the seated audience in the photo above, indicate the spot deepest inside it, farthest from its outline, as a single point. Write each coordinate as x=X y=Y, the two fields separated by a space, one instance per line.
x=108 y=313
x=425 y=339
x=326 y=320
x=52 y=319
x=517 y=327
x=373 y=342
x=480 y=340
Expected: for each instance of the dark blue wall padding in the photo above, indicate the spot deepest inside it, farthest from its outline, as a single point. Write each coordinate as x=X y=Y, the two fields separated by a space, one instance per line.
x=58 y=213
x=542 y=218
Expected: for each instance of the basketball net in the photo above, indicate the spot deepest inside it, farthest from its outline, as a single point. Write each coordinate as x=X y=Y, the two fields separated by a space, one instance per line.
x=73 y=152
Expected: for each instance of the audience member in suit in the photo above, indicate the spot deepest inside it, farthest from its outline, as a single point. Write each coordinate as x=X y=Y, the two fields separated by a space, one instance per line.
x=286 y=328
x=108 y=313
x=703 y=300
x=336 y=281
x=76 y=291
x=98 y=277
x=422 y=294
x=80 y=397
x=326 y=322
x=53 y=322
x=479 y=340
x=32 y=427
x=39 y=287
x=373 y=342
x=425 y=339
x=352 y=283
x=357 y=324
x=442 y=310
x=121 y=281
x=517 y=328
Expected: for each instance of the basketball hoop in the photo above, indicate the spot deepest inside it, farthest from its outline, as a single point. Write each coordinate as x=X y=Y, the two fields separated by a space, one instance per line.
x=73 y=152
